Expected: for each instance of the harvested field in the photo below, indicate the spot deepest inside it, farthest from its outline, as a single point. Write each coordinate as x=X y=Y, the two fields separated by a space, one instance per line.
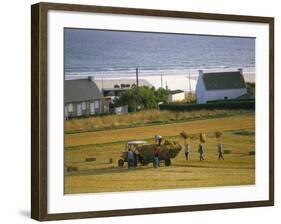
x=146 y=132
x=238 y=168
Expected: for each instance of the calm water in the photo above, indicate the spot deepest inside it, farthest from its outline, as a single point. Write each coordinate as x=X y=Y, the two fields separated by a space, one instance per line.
x=107 y=53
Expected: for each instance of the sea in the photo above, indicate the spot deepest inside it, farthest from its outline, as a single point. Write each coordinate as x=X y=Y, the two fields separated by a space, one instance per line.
x=160 y=57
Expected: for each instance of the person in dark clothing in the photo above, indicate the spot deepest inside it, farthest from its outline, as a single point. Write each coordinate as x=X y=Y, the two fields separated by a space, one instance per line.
x=201 y=151
x=137 y=157
x=130 y=158
x=156 y=157
x=187 y=150
x=220 y=152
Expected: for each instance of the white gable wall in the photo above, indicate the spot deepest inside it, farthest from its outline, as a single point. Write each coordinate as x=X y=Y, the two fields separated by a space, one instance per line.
x=200 y=90
x=221 y=94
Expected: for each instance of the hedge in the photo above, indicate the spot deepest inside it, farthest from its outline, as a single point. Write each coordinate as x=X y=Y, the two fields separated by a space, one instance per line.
x=249 y=105
x=230 y=100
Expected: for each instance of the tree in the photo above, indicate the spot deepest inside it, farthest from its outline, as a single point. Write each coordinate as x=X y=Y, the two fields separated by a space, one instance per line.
x=162 y=95
x=146 y=97
x=250 y=89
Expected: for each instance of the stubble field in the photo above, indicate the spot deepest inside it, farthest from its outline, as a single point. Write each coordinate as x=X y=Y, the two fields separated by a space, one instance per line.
x=103 y=174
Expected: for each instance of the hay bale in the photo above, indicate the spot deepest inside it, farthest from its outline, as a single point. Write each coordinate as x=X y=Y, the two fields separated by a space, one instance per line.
x=218 y=134
x=168 y=149
x=166 y=142
x=226 y=151
x=202 y=137
x=252 y=153
x=147 y=150
x=184 y=135
x=90 y=159
x=72 y=169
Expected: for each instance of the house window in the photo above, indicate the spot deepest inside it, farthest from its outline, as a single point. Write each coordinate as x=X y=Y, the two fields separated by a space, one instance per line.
x=97 y=104
x=70 y=107
x=84 y=106
x=79 y=109
x=92 y=108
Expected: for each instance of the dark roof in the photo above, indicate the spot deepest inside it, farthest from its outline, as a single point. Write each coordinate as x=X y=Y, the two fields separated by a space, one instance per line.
x=176 y=91
x=224 y=80
x=80 y=90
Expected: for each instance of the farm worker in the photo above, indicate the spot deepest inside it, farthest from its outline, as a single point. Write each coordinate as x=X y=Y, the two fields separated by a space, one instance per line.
x=220 y=151
x=156 y=156
x=130 y=158
x=136 y=156
x=187 y=150
x=201 y=151
x=158 y=139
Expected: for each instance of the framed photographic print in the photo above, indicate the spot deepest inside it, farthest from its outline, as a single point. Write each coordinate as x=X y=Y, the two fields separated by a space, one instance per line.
x=139 y=111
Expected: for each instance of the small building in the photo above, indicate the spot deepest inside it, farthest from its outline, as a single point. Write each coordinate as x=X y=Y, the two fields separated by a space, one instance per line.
x=220 y=85
x=176 y=96
x=121 y=110
x=82 y=97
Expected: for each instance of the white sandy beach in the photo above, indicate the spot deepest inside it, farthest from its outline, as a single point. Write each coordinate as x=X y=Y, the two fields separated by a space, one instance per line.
x=173 y=81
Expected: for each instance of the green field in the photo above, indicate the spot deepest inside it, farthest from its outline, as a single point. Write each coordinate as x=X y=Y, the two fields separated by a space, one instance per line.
x=103 y=175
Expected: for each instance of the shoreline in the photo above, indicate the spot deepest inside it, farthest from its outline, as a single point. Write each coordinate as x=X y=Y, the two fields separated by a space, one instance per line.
x=175 y=80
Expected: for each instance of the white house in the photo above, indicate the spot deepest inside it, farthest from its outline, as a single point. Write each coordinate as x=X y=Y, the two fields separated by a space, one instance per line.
x=220 y=85
x=176 y=95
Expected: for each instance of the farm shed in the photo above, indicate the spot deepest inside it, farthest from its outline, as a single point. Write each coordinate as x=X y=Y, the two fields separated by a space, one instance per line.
x=83 y=98
x=220 y=85
x=176 y=96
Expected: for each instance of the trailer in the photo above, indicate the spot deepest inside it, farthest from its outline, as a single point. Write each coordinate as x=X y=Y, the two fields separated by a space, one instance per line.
x=144 y=153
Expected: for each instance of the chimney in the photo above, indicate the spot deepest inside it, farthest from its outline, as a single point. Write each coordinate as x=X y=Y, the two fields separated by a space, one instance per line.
x=240 y=70
x=91 y=78
x=200 y=72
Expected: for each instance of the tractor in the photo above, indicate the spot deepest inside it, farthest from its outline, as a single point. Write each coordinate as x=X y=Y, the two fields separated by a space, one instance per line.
x=144 y=153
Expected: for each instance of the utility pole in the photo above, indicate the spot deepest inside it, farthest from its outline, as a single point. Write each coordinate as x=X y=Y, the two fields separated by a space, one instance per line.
x=101 y=82
x=137 y=80
x=137 y=77
x=189 y=84
x=161 y=80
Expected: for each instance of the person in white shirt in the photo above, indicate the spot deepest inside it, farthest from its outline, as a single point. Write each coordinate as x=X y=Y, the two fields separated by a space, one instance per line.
x=158 y=139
